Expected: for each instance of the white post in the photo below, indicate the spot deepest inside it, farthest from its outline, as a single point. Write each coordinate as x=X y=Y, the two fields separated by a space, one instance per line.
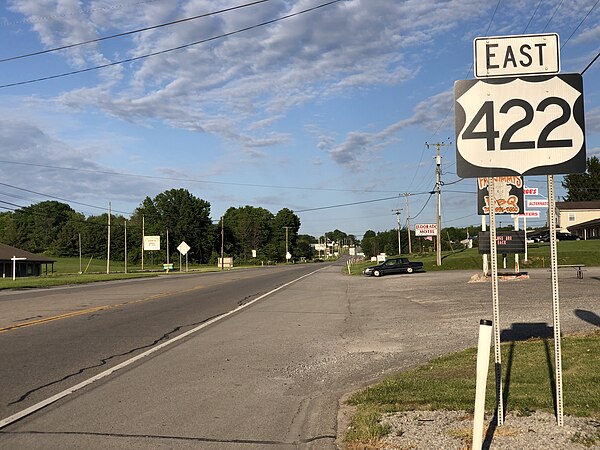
x=14 y=260
x=517 y=270
x=483 y=363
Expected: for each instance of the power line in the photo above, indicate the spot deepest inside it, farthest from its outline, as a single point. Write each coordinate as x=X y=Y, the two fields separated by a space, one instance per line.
x=169 y=50
x=553 y=14
x=590 y=64
x=127 y=33
x=62 y=199
x=532 y=16
x=346 y=204
x=192 y=180
x=582 y=20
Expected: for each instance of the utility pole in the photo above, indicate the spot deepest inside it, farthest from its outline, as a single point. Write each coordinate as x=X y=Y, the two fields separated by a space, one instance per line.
x=438 y=189
x=125 y=245
x=287 y=253
x=397 y=211
x=143 y=243
x=408 y=224
x=222 y=240
x=108 y=244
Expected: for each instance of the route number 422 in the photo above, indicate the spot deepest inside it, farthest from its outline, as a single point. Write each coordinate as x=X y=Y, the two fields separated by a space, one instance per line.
x=517 y=125
x=490 y=134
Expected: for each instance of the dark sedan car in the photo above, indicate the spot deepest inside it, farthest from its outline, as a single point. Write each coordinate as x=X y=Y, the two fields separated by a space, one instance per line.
x=393 y=265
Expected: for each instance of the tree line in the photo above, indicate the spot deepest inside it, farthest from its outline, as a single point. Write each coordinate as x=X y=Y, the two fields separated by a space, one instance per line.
x=56 y=229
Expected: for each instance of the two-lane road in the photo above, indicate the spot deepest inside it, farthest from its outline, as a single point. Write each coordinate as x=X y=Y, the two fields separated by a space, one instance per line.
x=52 y=339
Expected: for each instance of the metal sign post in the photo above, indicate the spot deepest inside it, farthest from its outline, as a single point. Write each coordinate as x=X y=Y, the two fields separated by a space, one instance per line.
x=555 y=301
x=496 y=308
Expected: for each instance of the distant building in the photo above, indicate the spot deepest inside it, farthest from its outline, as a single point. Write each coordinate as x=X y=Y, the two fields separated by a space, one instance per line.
x=31 y=266
x=570 y=214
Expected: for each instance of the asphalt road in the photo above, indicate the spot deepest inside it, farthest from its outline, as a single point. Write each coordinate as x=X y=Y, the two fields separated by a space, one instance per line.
x=271 y=375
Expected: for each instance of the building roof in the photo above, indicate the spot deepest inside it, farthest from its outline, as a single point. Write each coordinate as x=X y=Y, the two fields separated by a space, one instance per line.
x=594 y=204
x=7 y=252
x=589 y=224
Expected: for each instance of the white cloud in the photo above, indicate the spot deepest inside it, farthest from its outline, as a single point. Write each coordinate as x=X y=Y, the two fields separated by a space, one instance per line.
x=225 y=86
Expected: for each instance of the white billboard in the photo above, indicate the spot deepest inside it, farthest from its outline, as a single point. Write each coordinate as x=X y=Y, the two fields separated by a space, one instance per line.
x=426 y=229
x=151 y=242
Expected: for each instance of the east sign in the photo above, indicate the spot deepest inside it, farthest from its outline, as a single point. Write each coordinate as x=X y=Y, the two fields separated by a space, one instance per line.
x=530 y=54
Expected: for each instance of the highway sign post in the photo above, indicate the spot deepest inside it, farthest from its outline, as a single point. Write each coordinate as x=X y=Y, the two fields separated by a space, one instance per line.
x=183 y=249
x=511 y=124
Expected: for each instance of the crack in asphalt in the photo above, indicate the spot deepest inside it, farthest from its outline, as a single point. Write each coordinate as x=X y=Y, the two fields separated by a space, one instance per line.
x=105 y=361
x=168 y=437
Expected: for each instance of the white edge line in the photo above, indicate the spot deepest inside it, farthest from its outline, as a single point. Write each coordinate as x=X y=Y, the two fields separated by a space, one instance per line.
x=17 y=416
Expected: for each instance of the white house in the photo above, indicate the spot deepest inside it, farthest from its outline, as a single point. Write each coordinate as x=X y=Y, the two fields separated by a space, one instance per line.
x=570 y=214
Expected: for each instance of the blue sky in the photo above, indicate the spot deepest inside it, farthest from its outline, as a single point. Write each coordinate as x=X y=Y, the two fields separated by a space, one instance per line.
x=329 y=107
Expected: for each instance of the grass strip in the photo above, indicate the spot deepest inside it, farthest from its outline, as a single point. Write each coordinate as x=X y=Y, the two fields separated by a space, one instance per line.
x=538 y=255
x=448 y=383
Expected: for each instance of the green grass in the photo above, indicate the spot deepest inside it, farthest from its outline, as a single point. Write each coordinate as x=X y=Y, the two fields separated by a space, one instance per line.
x=448 y=383
x=66 y=271
x=569 y=252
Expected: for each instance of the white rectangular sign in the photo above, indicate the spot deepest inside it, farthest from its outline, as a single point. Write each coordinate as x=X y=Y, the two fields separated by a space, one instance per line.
x=151 y=242
x=530 y=54
x=528 y=214
x=426 y=229
x=537 y=203
x=530 y=191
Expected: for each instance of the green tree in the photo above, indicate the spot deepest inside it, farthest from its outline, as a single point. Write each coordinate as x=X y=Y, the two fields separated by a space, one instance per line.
x=369 y=244
x=284 y=218
x=584 y=186
x=249 y=229
x=185 y=216
x=35 y=227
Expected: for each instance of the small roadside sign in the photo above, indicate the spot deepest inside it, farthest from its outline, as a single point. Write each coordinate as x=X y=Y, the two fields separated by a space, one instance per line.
x=537 y=203
x=167 y=266
x=535 y=214
x=426 y=229
x=183 y=248
x=529 y=54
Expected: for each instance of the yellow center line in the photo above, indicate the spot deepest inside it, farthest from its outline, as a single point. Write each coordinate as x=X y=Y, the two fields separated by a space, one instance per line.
x=95 y=309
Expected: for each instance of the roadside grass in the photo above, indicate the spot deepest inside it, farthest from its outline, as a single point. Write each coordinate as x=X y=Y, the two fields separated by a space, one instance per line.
x=538 y=255
x=448 y=383
x=66 y=271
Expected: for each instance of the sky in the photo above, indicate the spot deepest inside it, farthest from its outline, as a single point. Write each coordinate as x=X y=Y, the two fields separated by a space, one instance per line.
x=328 y=108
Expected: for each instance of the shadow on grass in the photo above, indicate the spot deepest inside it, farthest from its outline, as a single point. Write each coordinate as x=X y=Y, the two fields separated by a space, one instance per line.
x=520 y=332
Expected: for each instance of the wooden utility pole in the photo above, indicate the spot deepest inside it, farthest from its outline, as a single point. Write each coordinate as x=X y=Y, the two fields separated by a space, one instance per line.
x=222 y=241
x=125 y=245
x=108 y=243
x=143 y=243
x=397 y=212
x=287 y=252
x=408 y=224
x=438 y=189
